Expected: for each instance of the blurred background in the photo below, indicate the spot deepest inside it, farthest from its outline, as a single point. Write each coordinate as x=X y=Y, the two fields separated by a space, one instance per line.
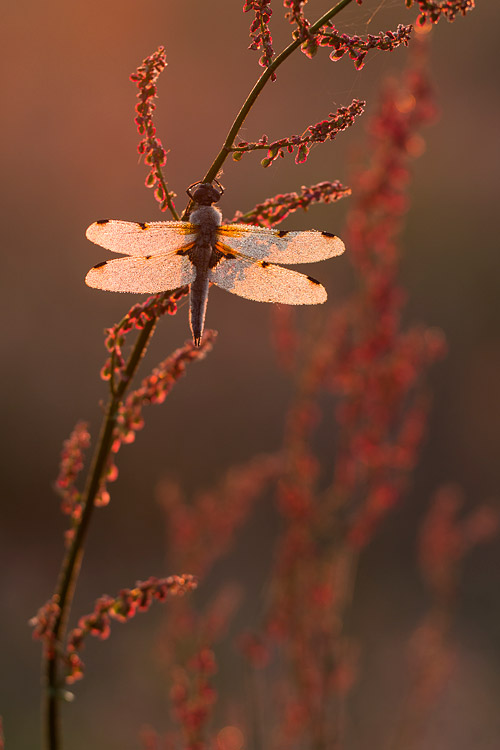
x=68 y=150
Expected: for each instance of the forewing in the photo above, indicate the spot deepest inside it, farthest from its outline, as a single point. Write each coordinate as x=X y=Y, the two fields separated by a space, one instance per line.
x=264 y=282
x=134 y=238
x=143 y=275
x=279 y=246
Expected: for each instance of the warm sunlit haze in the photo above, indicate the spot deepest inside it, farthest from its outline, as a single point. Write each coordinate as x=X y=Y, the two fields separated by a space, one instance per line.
x=69 y=157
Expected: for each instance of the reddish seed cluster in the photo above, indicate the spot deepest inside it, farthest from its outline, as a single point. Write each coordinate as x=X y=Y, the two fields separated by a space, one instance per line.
x=43 y=624
x=378 y=368
x=136 y=318
x=193 y=697
x=259 y=30
x=150 y=147
x=274 y=210
x=337 y=121
x=187 y=646
x=295 y=15
x=70 y=466
x=432 y=10
x=357 y=47
x=121 y=608
x=200 y=533
x=155 y=388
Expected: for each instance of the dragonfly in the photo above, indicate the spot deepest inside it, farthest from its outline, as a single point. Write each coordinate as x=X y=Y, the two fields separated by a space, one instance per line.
x=240 y=258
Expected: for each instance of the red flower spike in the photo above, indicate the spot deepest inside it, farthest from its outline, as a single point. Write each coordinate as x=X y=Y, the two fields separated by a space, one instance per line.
x=155 y=388
x=357 y=47
x=326 y=129
x=259 y=31
x=431 y=11
x=137 y=317
x=123 y=607
x=70 y=466
x=43 y=624
x=276 y=209
x=296 y=16
x=150 y=147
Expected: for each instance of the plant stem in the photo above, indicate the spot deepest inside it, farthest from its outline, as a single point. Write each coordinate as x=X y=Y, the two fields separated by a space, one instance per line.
x=265 y=76
x=168 y=199
x=72 y=562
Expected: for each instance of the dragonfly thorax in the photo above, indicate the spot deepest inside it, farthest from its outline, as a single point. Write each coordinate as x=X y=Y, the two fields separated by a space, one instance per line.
x=208 y=216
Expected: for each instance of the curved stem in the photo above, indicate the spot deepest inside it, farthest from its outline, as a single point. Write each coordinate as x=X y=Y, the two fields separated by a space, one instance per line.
x=265 y=76
x=72 y=562
x=166 y=191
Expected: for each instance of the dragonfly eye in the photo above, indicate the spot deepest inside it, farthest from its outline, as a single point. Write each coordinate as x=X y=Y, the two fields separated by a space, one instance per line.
x=205 y=193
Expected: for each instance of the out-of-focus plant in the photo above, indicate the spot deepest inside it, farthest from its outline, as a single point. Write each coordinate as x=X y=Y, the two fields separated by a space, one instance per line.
x=371 y=367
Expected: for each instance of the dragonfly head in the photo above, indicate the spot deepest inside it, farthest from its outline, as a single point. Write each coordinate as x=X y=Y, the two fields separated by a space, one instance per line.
x=205 y=193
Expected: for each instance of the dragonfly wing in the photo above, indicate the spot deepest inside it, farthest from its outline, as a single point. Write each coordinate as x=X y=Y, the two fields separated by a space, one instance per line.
x=134 y=238
x=279 y=246
x=264 y=282
x=143 y=275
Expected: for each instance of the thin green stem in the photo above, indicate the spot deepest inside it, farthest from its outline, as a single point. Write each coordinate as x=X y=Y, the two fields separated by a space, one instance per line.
x=72 y=562
x=163 y=183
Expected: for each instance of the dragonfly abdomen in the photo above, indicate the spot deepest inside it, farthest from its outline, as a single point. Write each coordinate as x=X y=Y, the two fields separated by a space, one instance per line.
x=207 y=219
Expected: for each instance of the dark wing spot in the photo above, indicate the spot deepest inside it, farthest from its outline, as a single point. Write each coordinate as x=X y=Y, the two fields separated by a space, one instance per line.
x=101 y=264
x=314 y=281
x=148 y=257
x=327 y=234
x=216 y=258
x=102 y=221
x=230 y=256
x=282 y=232
x=265 y=264
x=142 y=224
x=186 y=250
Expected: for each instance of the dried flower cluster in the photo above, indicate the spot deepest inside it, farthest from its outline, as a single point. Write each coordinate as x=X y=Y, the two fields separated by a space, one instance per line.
x=137 y=317
x=155 y=388
x=150 y=147
x=121 y=608
x=43 y=624
x=357 y=47
x=259 y=30
x=71 y=464
x=432 y=10
x=189 y=653
x=274 y=210
x=326 y=36
x=201 y=532
x=337 y=121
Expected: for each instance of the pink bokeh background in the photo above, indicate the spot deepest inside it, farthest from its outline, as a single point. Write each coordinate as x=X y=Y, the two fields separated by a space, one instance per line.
x=68 y=150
